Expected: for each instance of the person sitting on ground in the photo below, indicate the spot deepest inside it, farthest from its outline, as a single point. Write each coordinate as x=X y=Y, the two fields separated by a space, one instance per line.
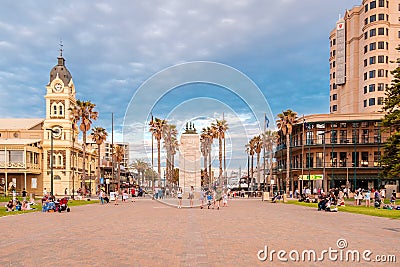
x=10 y=206
x=322 y=202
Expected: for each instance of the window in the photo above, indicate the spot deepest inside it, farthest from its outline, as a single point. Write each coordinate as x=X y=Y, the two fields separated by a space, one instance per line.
x=364 y=159
x=381 y=3
x=343 y=136
x=320 y=159
x=365 y=35
x=372 y=87
x=365 y=49
x=381 y=87
x=381 y=31
x=372 y=18
x=54 y=110
x=380 y=100
x=333 y=75
x=372 y=46
x=364 y=136
x=371 y=102
x=333 y=159
x=334 y=53
x=381 y=59
x=381 y=17
x=333 y=137
x=365 y=103
x=60 y=109
x=386 y=73
x=334 y=86
x=372 y=74
x=381 y=73
x=15 y=156
x=377 y=158
x=366 y=8
x=372 y=5
x=398 y=34
x=365 y=62
x=372 y=60
x=372 y=32
x=365 y=89
x=334 y=97
x=309 y=160
x=381 y=45
x=366 y=21
x=333 y=64
x=334 y=41
x=365 y=76
x=334 y=108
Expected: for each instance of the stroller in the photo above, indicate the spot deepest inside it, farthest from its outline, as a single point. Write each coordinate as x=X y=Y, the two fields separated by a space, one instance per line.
x=62 y=205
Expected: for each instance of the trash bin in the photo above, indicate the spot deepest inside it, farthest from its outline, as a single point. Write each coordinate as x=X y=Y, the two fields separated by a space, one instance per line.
x=285 y=197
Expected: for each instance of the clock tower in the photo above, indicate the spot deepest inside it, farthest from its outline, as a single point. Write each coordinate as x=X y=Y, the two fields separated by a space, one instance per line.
x=60 y=96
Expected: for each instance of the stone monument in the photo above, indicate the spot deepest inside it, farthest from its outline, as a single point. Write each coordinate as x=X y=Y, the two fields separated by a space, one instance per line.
x=189 y=160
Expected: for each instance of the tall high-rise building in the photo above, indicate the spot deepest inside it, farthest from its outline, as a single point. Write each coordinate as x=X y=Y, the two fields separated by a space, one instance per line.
x=362 y=55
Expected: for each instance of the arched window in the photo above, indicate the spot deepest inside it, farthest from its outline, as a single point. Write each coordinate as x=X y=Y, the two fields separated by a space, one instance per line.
x=54 y=108
x=61 y=109
x=60 y=160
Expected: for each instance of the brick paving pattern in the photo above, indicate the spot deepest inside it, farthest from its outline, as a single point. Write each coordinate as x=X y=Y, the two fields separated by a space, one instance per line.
x=149 y=233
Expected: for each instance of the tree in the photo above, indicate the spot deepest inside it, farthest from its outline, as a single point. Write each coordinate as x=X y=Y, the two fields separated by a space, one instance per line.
x=258 y=145
x=270 y=139
x=285 y=123
x=141 y=166
x=157 y=128
x=99 y=135
x=118 y=154
x=170 y=144
x=391 y=122
x=206 y=138
x=83 y=113
x=219 y=128
x=250 y=152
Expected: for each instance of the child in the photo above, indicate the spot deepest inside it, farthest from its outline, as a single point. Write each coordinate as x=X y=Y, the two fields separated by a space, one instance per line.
x=225 y=200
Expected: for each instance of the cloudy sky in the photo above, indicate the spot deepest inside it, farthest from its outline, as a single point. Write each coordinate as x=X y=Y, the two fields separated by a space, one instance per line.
x=113 y=47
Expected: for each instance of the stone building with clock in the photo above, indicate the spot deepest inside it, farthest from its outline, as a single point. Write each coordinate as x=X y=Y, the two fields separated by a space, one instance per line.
x=26 y=144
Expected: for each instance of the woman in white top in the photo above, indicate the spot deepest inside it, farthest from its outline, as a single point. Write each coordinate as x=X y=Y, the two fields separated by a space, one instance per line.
x=179 y=195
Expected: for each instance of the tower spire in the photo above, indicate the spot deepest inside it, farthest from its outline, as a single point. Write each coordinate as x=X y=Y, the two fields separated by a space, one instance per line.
x=61 y=48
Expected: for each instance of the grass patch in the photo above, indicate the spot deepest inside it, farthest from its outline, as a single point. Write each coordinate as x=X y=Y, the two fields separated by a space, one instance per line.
x=371 y=211
x=38 y=207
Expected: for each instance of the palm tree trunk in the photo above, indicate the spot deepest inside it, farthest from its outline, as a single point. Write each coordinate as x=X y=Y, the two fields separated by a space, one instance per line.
x=220 y=160
x=251 y=172
x=209 y=168
x=287 y=162
x=118 y=175
x=205 y=169
x=258 y=172
x=83 y=163
x=98 y=166
x=159 y=161
x=271 y=189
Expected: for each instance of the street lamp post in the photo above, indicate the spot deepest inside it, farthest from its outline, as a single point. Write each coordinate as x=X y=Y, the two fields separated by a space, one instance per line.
x=51 y=159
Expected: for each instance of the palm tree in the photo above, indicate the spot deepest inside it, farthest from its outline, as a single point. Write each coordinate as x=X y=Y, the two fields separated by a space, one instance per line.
x=169 y=136
x=157 y=127
x=270 y=138
x=204 y=147
x=209 y=134
x=258 y=145
x=141 y=166
x=285 y=123
x=99 y=135
x=118 y=154
x=174 y=148
x=83 y=112
x=250 y=152
x=219 y=128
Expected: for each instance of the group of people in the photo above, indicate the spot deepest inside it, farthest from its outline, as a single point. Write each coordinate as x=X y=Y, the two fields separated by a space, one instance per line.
x=16 y=205
x=210 y=198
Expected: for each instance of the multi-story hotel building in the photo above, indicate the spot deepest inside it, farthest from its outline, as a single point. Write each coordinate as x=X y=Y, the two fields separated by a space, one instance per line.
x=26 y=145
x=343 y=148
x=362 y=54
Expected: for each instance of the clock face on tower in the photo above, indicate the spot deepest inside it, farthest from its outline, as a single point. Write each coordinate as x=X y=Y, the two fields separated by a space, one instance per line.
x=58 y=87
x=56 y=131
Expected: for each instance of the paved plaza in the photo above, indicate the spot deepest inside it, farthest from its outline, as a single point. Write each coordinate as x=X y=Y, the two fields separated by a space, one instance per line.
x=149 y=233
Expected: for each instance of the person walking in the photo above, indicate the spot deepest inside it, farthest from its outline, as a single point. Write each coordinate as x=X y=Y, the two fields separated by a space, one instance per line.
x=179 y=195
x=202 y=198
x=218 y=196
x=191 y=196
x=393 y=198
x=101 y=197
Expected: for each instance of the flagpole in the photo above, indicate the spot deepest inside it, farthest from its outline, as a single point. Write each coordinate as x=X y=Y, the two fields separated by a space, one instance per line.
x=152 y=154
x=302 y=159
